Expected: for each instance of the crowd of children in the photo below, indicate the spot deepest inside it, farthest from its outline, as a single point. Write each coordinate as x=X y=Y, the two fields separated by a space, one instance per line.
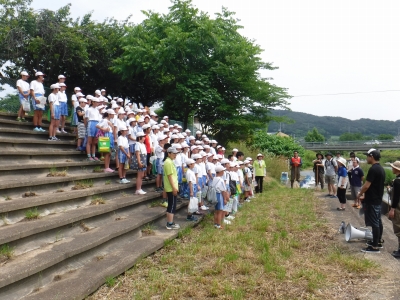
x=185 y=166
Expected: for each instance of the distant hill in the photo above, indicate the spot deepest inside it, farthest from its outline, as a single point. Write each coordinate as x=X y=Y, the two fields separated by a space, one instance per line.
x=332 y=126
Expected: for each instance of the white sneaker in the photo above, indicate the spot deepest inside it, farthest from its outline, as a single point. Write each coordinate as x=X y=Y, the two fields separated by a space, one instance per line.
x=230 y=217
x=142 y=192
x=247 y=200
x=58 y=131
x=203 y=207
x=139 y=192
x=124 y=181
x=227 y=222
x=63 y=131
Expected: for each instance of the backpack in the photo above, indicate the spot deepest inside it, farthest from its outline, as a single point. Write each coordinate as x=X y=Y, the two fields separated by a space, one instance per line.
x=212 y=192
x=232 y=185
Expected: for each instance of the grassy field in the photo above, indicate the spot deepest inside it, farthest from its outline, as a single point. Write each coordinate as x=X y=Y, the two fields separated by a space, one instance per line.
x=279 y=247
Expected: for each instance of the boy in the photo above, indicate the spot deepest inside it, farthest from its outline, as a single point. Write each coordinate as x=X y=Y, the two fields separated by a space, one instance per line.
x=222 y=196
x=191 y=181
x=159 y=151
x=123 y=153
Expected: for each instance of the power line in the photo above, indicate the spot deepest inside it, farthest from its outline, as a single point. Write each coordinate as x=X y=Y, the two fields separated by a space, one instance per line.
x=315 y=95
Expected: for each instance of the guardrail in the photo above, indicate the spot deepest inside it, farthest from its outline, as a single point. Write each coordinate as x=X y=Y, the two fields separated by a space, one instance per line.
x=352 y=145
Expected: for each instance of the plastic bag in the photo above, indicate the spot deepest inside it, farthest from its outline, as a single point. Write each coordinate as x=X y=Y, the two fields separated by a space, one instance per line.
x=193 y=205
x=26 y=105
x=204 y=191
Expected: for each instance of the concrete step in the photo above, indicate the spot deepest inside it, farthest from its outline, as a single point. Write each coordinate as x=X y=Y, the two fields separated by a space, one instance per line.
x=32 y=143
x=29 y=123
x=109 y=259
x=13 y=117
x=9 y=130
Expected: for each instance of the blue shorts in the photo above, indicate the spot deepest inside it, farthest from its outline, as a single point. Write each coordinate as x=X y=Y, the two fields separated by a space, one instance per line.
x=220 y=203
x=122 y=156
x=111 y=136
x=56 y=110
x=22 y=98
x=200 y=182
x=195 y=189
x=180 y=174
x=159 y=166
x=204 y=179
x=92 y=129
x=74 y=121
x=132 y=149
x=34 y=102
x=63 y=108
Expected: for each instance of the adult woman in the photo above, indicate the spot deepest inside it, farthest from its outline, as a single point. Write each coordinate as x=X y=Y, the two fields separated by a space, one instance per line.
x=141 y=154
x=106 y=127
x=260 y=172
x=342 y=182
x=37 y=91
x=23 y=94
x=93 y=116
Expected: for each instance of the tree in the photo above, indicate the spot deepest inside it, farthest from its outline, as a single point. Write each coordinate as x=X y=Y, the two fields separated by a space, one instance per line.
x=385 y=137
x=197 y=66
x=314 y=136
x=349 y=136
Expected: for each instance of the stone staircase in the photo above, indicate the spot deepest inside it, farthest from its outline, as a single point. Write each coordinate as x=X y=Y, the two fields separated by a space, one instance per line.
x=66 y=226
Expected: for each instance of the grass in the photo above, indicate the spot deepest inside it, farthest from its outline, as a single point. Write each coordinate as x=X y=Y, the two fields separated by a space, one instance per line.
x=278 y=248
x=32 y=214
x=149 y=229
x=155 y=204
x=110 y=281
x=57 y=173
x=108 y=182
x=7 y=198
x=98 y=169
x=83 y=184
x=96 y=200
x=6 y=252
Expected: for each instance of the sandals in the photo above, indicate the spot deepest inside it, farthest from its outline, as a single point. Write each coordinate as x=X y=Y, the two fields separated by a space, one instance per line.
x=341 y=209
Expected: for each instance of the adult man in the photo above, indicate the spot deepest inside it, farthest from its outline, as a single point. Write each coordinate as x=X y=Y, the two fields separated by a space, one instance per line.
x=356 y=179
x=394 y=213
x=295 y=163
x=331 y=168
x=171 y=187
x=319 y=170
x=373 y=189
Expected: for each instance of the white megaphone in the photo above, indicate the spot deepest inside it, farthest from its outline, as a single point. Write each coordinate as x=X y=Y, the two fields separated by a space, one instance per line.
x=357 y=233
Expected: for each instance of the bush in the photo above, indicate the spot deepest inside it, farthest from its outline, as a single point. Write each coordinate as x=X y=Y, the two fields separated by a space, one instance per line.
x=389 y=174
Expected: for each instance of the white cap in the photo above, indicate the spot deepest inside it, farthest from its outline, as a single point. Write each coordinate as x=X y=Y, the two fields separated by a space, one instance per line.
x=120 y=100
x=152 y=113
x=246 y=162
x=130 y=120
x=235 y=150
x=219 y=169
x=184 y=145
x=77 y=89
x=110 y=111
x=61 y=77
x=187 y=131
x=161 y=137
x=89 y=97
x=175 y=131
x=83 y=100
x=196 y=156
x=215 y=157
x=121 y=111
x=210 y=154
x=39 y=74
x=200 y=147
x=213 y=142
x=204 y=136
x=165 y=117
x=180 y=136
x=223 y=149
x=97 y=92
x=163 y=122
x=113 y=102
x=25 y=73
x=155 y=127
x=177 y=146
x=55 y=86
x=176 y=125
x=259 y=154
x=123 y=127
x=180 y=127
x=206 y=147
x=202 y=153
x=62 y=84
x=104 y=99
x=174 y=136
x=219 y=146
x=184 y=134
x=219 y=156
x=166 y=130
x=232 y=164
x=114 y=106
x=80 y=94
x=145 y=126
x=172 y=150
x=224 y=161
x=249 y=159
x=141 y=120
x=102 y=90
x=193 y=147
x=191 y=138
x=239 y=163
x=198 y=132
x=140 y=134
x=190 y=161
x=147 y=116
x=198 y=143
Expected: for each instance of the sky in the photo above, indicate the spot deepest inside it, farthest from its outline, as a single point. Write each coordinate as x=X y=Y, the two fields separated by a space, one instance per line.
x=350 y=48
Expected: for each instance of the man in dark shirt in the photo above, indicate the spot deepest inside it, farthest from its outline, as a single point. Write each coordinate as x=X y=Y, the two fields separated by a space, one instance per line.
x=373 y=189
x=394 y=213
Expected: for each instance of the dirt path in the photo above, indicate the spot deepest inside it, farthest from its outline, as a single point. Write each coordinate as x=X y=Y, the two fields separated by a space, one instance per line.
x=385 y=285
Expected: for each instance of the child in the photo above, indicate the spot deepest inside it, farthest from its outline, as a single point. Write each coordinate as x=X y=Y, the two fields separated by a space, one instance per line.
x=141 y=155
x=54 y=111
x=159 y=151
x=222 y=196
x=248 y=178
x=107 y=128
x=36 y=92
x=94 y=117
x=123 y=153
x=191 y=181
x=23 y=94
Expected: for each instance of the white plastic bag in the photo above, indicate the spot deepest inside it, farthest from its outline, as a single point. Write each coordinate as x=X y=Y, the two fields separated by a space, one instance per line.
x=26 y=105
x=193 y=205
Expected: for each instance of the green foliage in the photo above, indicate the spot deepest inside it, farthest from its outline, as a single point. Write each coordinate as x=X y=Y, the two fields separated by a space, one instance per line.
x=314 y=136
x=284 y=146
x=202 y=67
x=350 y=136
x=10 y=103
x=385 y=137
x=389 y=176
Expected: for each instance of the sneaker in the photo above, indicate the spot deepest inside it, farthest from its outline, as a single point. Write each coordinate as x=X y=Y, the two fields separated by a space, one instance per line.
x=333 y=196
x=36 y=129
x=230 y=217
x=380 y=244
x=63 y=131
x=139 y=192
x=23 y=120
x=58 y=131
x=108 y=170
x=165 y=204
x=172 y=226
x=192 y=218
x=42 y=130
x=370 y=249
x=143 y=192
x=123 y=181
x=56 y=139
x=396 y=254
x=247 y=200
x=50 y=139
x=95 y=158
x=157 y=190
x=78 y=149
x=227 y=222
x=216 y=226
x=328 y=195
x=203 y=207
x=19 y=119
x=90 y=159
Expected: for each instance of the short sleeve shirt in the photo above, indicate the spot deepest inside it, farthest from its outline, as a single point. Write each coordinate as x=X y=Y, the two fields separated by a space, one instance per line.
x=23 y=85
x=169 y=169
x=376 y=175
x=80 y=119
x=330 y=167
x=219 y=184
x=123 y=142
x=190 y=176
x=37 y=87
x=356 y=175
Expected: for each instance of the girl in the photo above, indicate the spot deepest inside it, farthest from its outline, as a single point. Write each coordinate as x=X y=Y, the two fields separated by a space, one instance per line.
x=222 y=196
x=342 y=183
x=75 y=104
x=141 y=154
x=23 y=94
x=93 y=116
x=159 y=151
x=192 y=186
x=107 y=128
x=54 y=112
x=123 y=153
x=248 y=178
x=37 y=91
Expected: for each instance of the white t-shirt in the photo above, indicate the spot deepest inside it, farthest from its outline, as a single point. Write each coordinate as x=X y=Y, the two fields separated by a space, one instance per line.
x=240 y=175
x=131 y=134
x=104 y=124
x=212 y=150
x=23 y=85
x=37 y=87
x=53 y=98
x=123 y=141
x=154 y=141
x=190 y=176
x=119 y=124
x=219 y=184
x=203 y=169
x=62 y=97
x=178 y=160
x=141 y=148
x=159 y=152
x=74 y=100
x=234 y=176
x=93 y=114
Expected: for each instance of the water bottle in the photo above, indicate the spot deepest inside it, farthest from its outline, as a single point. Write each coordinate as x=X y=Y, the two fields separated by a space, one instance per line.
x=342 y=227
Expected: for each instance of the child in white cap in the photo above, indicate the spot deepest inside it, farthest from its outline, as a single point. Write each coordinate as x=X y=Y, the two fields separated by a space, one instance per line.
x=141 y=156
x=192 y=185
x=80 y=115
x=106 y=128
x=54 y=112
x=23 y=94
x=123 y=153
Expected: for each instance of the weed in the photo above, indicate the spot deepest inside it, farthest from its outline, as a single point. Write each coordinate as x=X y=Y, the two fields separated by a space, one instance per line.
x=6 y=251
x=59 y=191
x=155 y=204
x=98 y=169
x=108 y=182
x=32 y=214
x=59 y=236
x=84 y=226
x=4 y=219
x=57 y=278
x=7 y=198
x=124 y=194
x=29 y=194
x=57 y=173
x=83 y=184
x=110 y=281
x=96 y=200
x=148 y=229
